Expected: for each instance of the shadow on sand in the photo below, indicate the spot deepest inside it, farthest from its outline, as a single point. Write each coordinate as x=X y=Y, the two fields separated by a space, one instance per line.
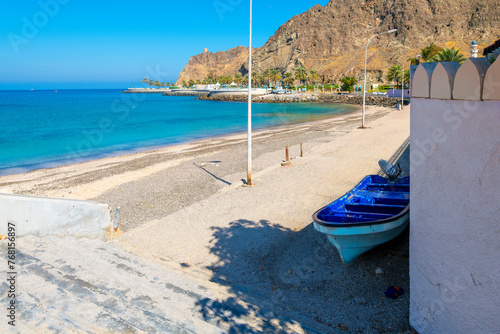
x=295 y=279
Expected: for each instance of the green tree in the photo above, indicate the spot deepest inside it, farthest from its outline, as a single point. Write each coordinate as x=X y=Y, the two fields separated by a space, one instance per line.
x=238 y=79
x=157 y=84
x=267 y=77
x=275 y=75
x=151 y=83
x=300 y=74
x=348 y=83
x=184 y=83
x=221 y=79
x=313 y=76
x=407 y=78
x=394 y=74
x=450 y=55
x=288 y=79
x=211 y=78
x=414 y=61
x=255 y=79
x=191 y=83
x=430 y=51
x=145 y=81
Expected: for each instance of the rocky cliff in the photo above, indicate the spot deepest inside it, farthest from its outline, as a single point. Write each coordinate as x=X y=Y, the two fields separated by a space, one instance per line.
x=332 y=39
x=219 y=63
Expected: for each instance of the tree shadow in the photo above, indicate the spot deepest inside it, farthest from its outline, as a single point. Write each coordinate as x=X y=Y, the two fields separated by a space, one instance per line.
x=294 y=281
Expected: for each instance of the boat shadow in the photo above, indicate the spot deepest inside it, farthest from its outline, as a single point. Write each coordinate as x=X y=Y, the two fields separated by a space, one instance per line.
x=288 y=278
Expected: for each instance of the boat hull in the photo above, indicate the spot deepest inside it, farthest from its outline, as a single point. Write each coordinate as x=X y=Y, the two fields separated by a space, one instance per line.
x=356 y=240
x=373 y=212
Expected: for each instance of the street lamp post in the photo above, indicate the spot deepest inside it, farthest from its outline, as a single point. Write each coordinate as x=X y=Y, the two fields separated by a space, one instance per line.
x=364 y=84
x=403 y=82
x=249 y=165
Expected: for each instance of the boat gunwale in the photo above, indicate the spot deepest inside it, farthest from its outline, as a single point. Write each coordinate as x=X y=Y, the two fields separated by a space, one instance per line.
x=354 y=224
x=371 y=222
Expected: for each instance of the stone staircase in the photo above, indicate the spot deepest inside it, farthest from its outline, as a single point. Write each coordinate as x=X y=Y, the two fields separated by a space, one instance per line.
x=67 y=285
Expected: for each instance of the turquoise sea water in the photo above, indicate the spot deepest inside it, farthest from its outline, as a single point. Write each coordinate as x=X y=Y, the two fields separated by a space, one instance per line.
x=40 y=129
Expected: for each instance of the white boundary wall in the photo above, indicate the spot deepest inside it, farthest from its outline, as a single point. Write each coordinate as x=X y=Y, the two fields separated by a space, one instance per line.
x=52 y=216
x=455 y=198
x=397 y=93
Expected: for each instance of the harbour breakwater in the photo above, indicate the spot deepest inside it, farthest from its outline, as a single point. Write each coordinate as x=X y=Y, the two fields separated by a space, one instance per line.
x=146 y=90
x=298 y=98
x=281 y=98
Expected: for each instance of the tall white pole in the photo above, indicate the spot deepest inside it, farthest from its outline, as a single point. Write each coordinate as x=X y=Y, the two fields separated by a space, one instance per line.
x=364 y=84
x=249 y=165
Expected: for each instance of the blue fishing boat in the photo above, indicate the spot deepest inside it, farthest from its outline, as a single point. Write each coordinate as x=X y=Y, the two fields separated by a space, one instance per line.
x=373 y=212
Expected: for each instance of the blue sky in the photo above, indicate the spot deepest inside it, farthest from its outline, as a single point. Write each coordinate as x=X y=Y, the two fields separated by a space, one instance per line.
x=51 y=44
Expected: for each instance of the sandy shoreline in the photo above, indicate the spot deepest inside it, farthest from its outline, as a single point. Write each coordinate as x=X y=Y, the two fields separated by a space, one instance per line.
x=165 y=171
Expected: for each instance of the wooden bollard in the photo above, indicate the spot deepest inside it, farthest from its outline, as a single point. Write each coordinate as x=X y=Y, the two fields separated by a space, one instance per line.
x=287 y=155
x=301 y=150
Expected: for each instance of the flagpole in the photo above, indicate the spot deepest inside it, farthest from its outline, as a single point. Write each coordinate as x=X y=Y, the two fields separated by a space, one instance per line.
x=249 y=166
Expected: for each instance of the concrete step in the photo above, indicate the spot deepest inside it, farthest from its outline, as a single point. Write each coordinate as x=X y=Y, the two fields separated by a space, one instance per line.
x=66 y=285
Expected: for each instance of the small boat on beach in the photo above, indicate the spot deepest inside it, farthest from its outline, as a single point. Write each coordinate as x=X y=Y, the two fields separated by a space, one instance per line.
x=373 y=212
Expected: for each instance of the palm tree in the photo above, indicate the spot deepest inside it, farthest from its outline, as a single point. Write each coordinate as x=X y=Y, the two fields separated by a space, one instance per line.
x=406 y=78
x=288 y=79
x=300 y=74
x=394 y=74
x=450 y=55
x=255 y=78
x=157 y=83
x=238 y=79
x=151 y=83
x=313 y=76
x=267 y=76
x=211 y=78
x=275 y=75
x=145 y=81
x=430 y=51
x=348 y=83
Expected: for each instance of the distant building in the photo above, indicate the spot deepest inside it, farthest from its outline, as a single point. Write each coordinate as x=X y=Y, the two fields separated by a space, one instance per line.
x=205 y=50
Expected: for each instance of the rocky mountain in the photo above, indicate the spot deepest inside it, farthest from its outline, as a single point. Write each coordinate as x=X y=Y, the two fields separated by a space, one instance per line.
x=219 y=63
x=332 y=39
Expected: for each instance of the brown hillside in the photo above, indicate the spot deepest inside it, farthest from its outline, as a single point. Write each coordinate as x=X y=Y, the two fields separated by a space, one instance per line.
x=331 y=39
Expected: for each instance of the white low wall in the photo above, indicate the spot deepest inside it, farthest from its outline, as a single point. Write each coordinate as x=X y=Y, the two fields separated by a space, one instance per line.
x=397 y=93
x=455 y=201
x=50 y=216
